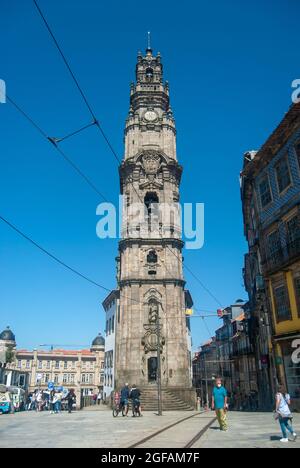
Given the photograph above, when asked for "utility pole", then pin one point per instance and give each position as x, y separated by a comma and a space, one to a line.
158, 377
206, 382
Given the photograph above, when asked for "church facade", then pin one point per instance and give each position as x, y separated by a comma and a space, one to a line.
152, 295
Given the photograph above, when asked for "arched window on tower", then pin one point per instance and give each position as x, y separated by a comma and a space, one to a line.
149, 74
152, 262
152, 257
151, 201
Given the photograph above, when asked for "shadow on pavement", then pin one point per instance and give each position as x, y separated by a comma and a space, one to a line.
275, 438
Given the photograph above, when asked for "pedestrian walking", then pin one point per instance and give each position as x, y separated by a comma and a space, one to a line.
28, 402
99, 398
39, 400
220, 404
71, 399
94, 398
51, 401
57, 402
283, 415
33, 405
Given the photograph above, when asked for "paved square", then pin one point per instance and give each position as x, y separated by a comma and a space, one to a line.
98, 429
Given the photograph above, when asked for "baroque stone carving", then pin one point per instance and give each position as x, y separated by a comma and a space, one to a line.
149, 340
153, 313
151, 162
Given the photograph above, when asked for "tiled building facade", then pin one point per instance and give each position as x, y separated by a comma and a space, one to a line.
271, 204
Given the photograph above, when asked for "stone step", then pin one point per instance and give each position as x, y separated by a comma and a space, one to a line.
170, 401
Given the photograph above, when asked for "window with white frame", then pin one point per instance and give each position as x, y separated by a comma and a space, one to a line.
265, 192
283, 174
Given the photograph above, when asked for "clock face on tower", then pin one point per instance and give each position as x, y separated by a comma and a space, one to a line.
150, 116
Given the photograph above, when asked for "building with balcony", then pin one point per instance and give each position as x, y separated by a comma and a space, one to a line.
205, 370
229, 355
271, 205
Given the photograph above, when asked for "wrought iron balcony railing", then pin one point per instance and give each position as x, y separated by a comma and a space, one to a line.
282, 257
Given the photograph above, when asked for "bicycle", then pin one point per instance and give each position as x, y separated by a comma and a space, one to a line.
136, 408
120, 408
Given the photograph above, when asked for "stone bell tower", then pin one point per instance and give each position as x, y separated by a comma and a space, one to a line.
150, 272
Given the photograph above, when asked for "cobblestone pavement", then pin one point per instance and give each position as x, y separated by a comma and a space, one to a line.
98, 429
248, 430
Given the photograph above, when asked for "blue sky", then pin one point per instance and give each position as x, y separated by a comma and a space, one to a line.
230, 66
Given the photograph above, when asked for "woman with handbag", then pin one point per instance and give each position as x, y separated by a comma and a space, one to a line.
284, 415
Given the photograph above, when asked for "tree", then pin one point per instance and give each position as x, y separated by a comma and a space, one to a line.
10, 355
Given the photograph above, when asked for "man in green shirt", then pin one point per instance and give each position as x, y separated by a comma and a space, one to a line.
220, 404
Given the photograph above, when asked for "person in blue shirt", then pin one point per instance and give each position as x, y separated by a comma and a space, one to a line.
125, 393
220, 404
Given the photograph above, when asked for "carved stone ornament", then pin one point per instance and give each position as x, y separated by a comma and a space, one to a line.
153, 313
151, 162
149, 340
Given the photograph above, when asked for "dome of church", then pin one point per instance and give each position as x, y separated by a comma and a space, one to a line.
7, 335
99, 341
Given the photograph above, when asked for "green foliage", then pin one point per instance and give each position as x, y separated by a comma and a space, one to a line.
10, 355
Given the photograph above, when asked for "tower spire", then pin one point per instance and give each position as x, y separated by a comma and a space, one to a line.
149, 41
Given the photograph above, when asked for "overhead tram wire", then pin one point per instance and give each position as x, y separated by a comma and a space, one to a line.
65, 60
56, 259
54, 141
43, 133
207, 327
89, 107
61, 262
